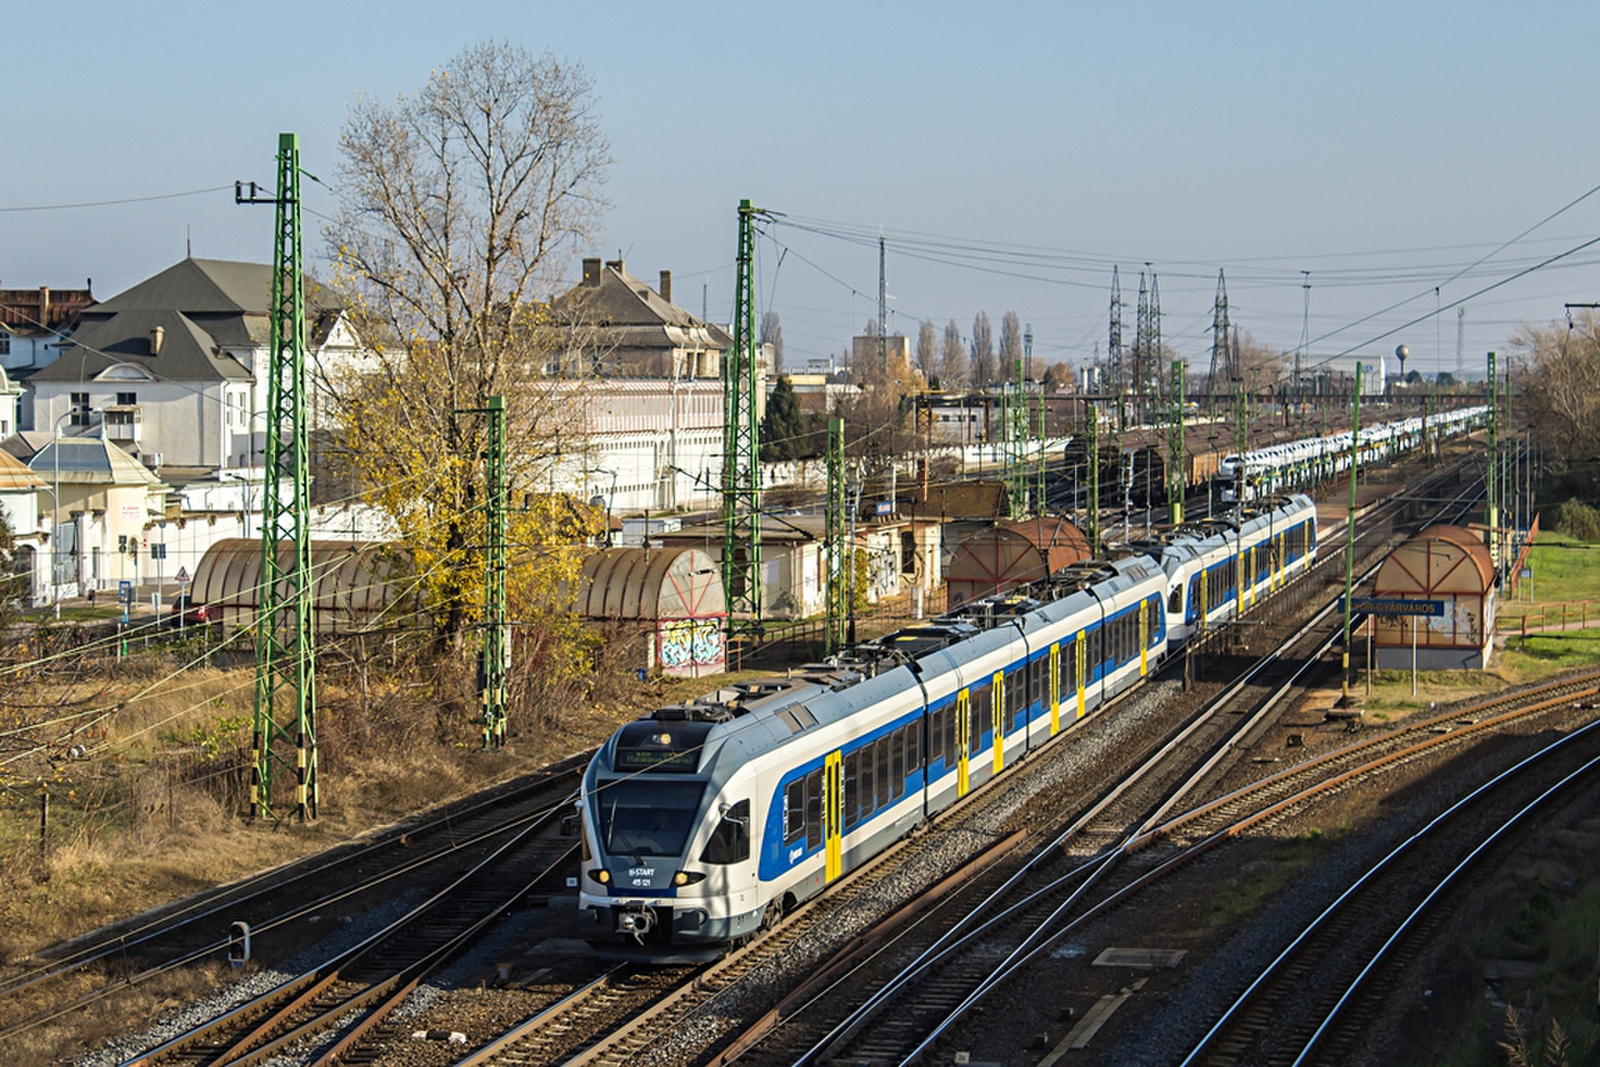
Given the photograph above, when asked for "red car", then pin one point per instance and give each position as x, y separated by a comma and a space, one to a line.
188, 613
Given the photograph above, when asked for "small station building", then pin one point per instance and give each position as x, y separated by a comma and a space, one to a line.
673, 595
1009, 554
1447, 564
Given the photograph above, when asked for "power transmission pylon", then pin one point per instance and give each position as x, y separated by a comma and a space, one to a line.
1221, 353
1153, 354
1175, 478
285, 736
741, 445
1141, 341
1114, 338
835, 591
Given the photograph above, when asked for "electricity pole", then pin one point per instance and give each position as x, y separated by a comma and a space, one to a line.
741, 445
835, 591
284, 739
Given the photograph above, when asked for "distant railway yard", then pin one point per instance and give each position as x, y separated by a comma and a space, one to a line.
1186, 838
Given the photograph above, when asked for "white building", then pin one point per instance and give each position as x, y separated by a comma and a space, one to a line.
175, 369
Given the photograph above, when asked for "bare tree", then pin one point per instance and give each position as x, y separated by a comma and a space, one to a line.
772, 334
457, 207
952, 357
928, 351
1260, 366
982, 350
1010, 343
1555, 371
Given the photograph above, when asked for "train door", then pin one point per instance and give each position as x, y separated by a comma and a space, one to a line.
833, 815
963, 742
1054, 695
1144, 637
1205, 598
997, 715
1081, 651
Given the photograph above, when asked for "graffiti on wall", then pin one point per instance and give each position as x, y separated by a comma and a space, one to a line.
691, 647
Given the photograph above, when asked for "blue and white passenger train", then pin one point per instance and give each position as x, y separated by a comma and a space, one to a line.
707, 821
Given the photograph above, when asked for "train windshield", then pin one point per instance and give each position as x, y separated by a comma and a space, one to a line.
639, 818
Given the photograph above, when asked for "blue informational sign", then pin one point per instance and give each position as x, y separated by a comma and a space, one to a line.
1383, 605
886, 507
125, 591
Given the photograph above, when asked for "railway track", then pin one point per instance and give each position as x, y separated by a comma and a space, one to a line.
352, 993
1366, 935
284, 906
703, 1004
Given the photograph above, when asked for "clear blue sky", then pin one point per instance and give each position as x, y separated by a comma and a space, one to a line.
1382, 146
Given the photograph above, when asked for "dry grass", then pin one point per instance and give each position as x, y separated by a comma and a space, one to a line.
155, 811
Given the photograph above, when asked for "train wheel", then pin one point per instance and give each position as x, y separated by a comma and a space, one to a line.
772, 916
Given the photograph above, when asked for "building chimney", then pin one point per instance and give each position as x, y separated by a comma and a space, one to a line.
156, 334
591, 272
666, 286
44, 305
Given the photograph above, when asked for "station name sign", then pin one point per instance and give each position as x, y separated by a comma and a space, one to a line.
1383, 605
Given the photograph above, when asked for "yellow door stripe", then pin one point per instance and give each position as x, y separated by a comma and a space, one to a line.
833, 815
963, 741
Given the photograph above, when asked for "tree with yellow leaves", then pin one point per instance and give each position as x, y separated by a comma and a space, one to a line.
457, 209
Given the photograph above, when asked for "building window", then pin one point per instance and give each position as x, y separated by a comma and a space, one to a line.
119, 418
5, 343
127, 400
80, 409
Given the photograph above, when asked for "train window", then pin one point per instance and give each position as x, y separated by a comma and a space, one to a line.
852, 790
913, 748
730, 841
880, 749
813, 810
938, 743
897, 764
949, 744
869, 798
1069, 667
794, 811
1175, 601
979, 711
1016, 697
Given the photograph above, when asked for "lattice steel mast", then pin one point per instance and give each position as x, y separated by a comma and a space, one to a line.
1221, 350
285, 735
836, 584
741, 445
1175, 478
496, 650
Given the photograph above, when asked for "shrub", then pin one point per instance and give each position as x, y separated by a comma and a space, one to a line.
1577, 519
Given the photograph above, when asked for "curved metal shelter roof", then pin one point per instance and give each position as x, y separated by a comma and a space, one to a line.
1440, 559
659, 583
1012, 553
358, 584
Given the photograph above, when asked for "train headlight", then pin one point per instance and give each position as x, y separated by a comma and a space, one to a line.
601, 875
683, 878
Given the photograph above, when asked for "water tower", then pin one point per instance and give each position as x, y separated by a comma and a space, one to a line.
1400, 353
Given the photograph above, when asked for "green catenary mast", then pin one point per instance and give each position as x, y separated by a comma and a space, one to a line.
741, 445
1175, 479
285, 735
835, 591
496, 625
